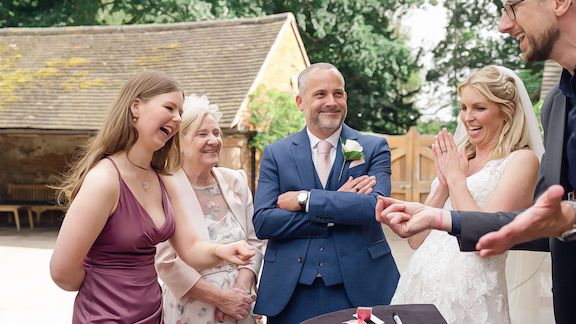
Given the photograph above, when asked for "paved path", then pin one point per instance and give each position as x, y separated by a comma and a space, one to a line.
28, 295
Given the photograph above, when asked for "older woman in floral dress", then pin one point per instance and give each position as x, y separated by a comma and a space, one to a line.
219, 203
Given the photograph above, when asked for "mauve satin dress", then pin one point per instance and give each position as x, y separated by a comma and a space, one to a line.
121, 284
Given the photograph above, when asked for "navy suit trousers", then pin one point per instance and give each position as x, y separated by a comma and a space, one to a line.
312, 300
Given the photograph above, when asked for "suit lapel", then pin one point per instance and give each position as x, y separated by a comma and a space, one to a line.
555, 134
303, 159
336, 179
232, 200
333, 179
192, 204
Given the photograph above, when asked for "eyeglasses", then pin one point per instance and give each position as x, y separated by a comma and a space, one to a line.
509, 8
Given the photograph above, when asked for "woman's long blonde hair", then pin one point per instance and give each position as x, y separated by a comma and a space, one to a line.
118, 133
501, 89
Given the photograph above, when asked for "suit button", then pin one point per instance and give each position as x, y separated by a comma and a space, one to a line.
300, 259
320, 264
321, 248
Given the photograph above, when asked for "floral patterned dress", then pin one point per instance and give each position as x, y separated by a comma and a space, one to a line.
222, 228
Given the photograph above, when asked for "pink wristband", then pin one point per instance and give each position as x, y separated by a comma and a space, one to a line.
440, 220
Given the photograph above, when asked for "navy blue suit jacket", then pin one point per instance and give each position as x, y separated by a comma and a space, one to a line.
368, 270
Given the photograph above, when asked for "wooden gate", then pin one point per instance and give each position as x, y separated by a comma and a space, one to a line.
412, 164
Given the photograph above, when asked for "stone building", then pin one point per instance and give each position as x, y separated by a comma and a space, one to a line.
57, 83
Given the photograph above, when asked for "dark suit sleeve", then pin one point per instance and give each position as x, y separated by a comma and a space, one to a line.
271, 222
476, 224
351, 208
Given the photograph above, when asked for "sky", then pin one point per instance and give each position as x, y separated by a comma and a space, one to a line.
426, 26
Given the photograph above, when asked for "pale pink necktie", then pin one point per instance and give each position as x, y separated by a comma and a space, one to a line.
323, 164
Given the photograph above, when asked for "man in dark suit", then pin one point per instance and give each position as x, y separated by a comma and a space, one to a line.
545, 29
315, 203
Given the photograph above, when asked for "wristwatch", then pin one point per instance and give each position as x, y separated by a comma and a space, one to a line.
303, 199
569, 235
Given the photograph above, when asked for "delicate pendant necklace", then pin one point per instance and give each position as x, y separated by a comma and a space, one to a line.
145, 184
136, 165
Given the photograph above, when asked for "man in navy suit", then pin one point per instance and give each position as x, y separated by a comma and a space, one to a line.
325, 250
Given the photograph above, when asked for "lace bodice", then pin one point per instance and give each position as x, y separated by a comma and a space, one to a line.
463, 286
482, 183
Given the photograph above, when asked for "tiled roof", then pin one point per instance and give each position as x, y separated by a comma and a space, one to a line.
65, 78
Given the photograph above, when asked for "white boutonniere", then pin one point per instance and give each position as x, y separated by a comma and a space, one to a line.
351, 150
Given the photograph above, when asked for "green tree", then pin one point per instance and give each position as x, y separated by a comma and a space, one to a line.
42, 13
472, 41
274, 115
360, 37
433, 126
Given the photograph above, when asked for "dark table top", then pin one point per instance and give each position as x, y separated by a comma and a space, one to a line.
409, 314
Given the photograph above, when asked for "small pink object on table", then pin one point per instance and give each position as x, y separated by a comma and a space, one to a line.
364, 313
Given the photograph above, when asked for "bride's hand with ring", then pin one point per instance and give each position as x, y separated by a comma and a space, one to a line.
450, 163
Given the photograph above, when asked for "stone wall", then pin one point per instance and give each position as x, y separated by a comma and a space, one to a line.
41, 158
286, 63
237, 154
35, 158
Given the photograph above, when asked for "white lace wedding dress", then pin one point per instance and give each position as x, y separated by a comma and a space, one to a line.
464, 287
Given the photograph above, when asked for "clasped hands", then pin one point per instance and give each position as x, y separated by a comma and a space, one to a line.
546, 218
360, 185
235, 303
406, 218
451, 165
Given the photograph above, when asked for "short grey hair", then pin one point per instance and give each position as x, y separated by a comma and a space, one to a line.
303, 77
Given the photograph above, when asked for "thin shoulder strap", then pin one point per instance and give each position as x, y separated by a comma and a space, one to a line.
115, 167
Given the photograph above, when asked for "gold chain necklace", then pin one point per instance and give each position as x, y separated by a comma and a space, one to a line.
145, 184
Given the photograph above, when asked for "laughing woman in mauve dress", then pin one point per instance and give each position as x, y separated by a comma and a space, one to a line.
121, 207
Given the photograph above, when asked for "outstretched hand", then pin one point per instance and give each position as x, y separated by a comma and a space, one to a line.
547, 218
239, 252
405, 218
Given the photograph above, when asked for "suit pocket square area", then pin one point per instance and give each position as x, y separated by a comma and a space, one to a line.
356, 163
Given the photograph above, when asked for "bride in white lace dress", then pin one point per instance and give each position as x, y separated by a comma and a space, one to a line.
495, 170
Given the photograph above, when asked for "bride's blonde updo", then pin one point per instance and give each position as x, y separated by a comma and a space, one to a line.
500, 88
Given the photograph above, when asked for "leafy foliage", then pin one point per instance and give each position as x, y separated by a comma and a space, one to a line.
433, 126
41, 13
274, 115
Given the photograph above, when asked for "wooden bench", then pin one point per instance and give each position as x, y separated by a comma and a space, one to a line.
33, 198
12, 208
